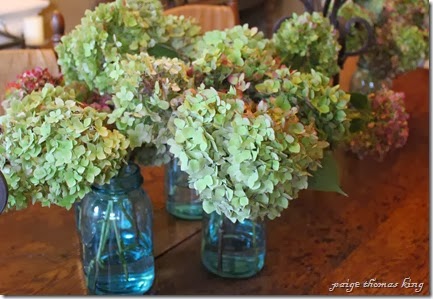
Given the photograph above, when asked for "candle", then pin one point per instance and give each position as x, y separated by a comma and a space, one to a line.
33, 31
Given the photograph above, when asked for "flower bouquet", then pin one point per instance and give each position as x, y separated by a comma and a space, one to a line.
400, 40
248, 128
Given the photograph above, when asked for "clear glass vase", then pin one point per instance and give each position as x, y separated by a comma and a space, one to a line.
366, 81
232, 250
116, 235
181, 201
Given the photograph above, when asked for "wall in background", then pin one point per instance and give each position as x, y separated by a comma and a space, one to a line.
73, 11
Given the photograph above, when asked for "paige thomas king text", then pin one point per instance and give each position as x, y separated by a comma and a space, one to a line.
350, 286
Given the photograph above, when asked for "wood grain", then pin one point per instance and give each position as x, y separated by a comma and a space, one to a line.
41, 250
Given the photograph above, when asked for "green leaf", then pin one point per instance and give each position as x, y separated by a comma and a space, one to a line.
326, 178
162, 50
359, 100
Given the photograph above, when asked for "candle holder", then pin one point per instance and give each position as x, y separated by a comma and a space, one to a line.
15, 40
342, 27
57, 27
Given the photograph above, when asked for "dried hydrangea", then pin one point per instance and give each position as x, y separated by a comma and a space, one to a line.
408, 11
412, 46
398, 50
401, 38
316, 100
231, 52
145, 89
245, 160
386, 126
115, 29
181, 34
308, 41
52, 150
29, 81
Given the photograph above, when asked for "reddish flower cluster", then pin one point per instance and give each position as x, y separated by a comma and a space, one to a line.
31, 80
99, 102
387, 128
35, 80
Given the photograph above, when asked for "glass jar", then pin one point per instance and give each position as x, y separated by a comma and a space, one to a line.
232, 250
77, 214
116, 236
366, 81
181, 201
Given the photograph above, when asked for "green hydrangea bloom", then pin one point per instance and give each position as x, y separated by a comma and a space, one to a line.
181, 34
52, 150
401, 38
145, 90
115, 29
317, 101
245, 160
411, 46
224, 53
308, 41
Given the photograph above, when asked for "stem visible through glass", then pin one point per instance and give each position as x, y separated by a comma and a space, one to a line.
105, 230
221, 231
102, 241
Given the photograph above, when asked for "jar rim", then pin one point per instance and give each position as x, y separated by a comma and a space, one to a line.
128, 178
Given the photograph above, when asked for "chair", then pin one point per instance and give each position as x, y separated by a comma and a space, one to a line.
210, 17
16, 61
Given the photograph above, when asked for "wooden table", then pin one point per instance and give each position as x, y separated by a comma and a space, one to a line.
380, 232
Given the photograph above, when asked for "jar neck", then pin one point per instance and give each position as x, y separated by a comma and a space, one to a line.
362, 63
128, 179
224, 219
375, 73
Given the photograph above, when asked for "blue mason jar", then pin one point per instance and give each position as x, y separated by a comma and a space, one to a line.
116, 235
233, 250
181, 201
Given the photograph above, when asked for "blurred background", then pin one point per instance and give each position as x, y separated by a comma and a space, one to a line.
259, 13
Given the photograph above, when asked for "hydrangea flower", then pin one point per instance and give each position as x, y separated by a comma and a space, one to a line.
52, 149
115, 29
29, 81
316, 100
308, 41
386, 126
245, 160
144, 97
400, 32
222, 54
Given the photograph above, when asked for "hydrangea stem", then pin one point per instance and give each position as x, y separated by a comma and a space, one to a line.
105, 230
221, 232
102, 241
120, 247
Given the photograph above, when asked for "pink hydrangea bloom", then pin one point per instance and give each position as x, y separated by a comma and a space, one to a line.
387, 127
31, 80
